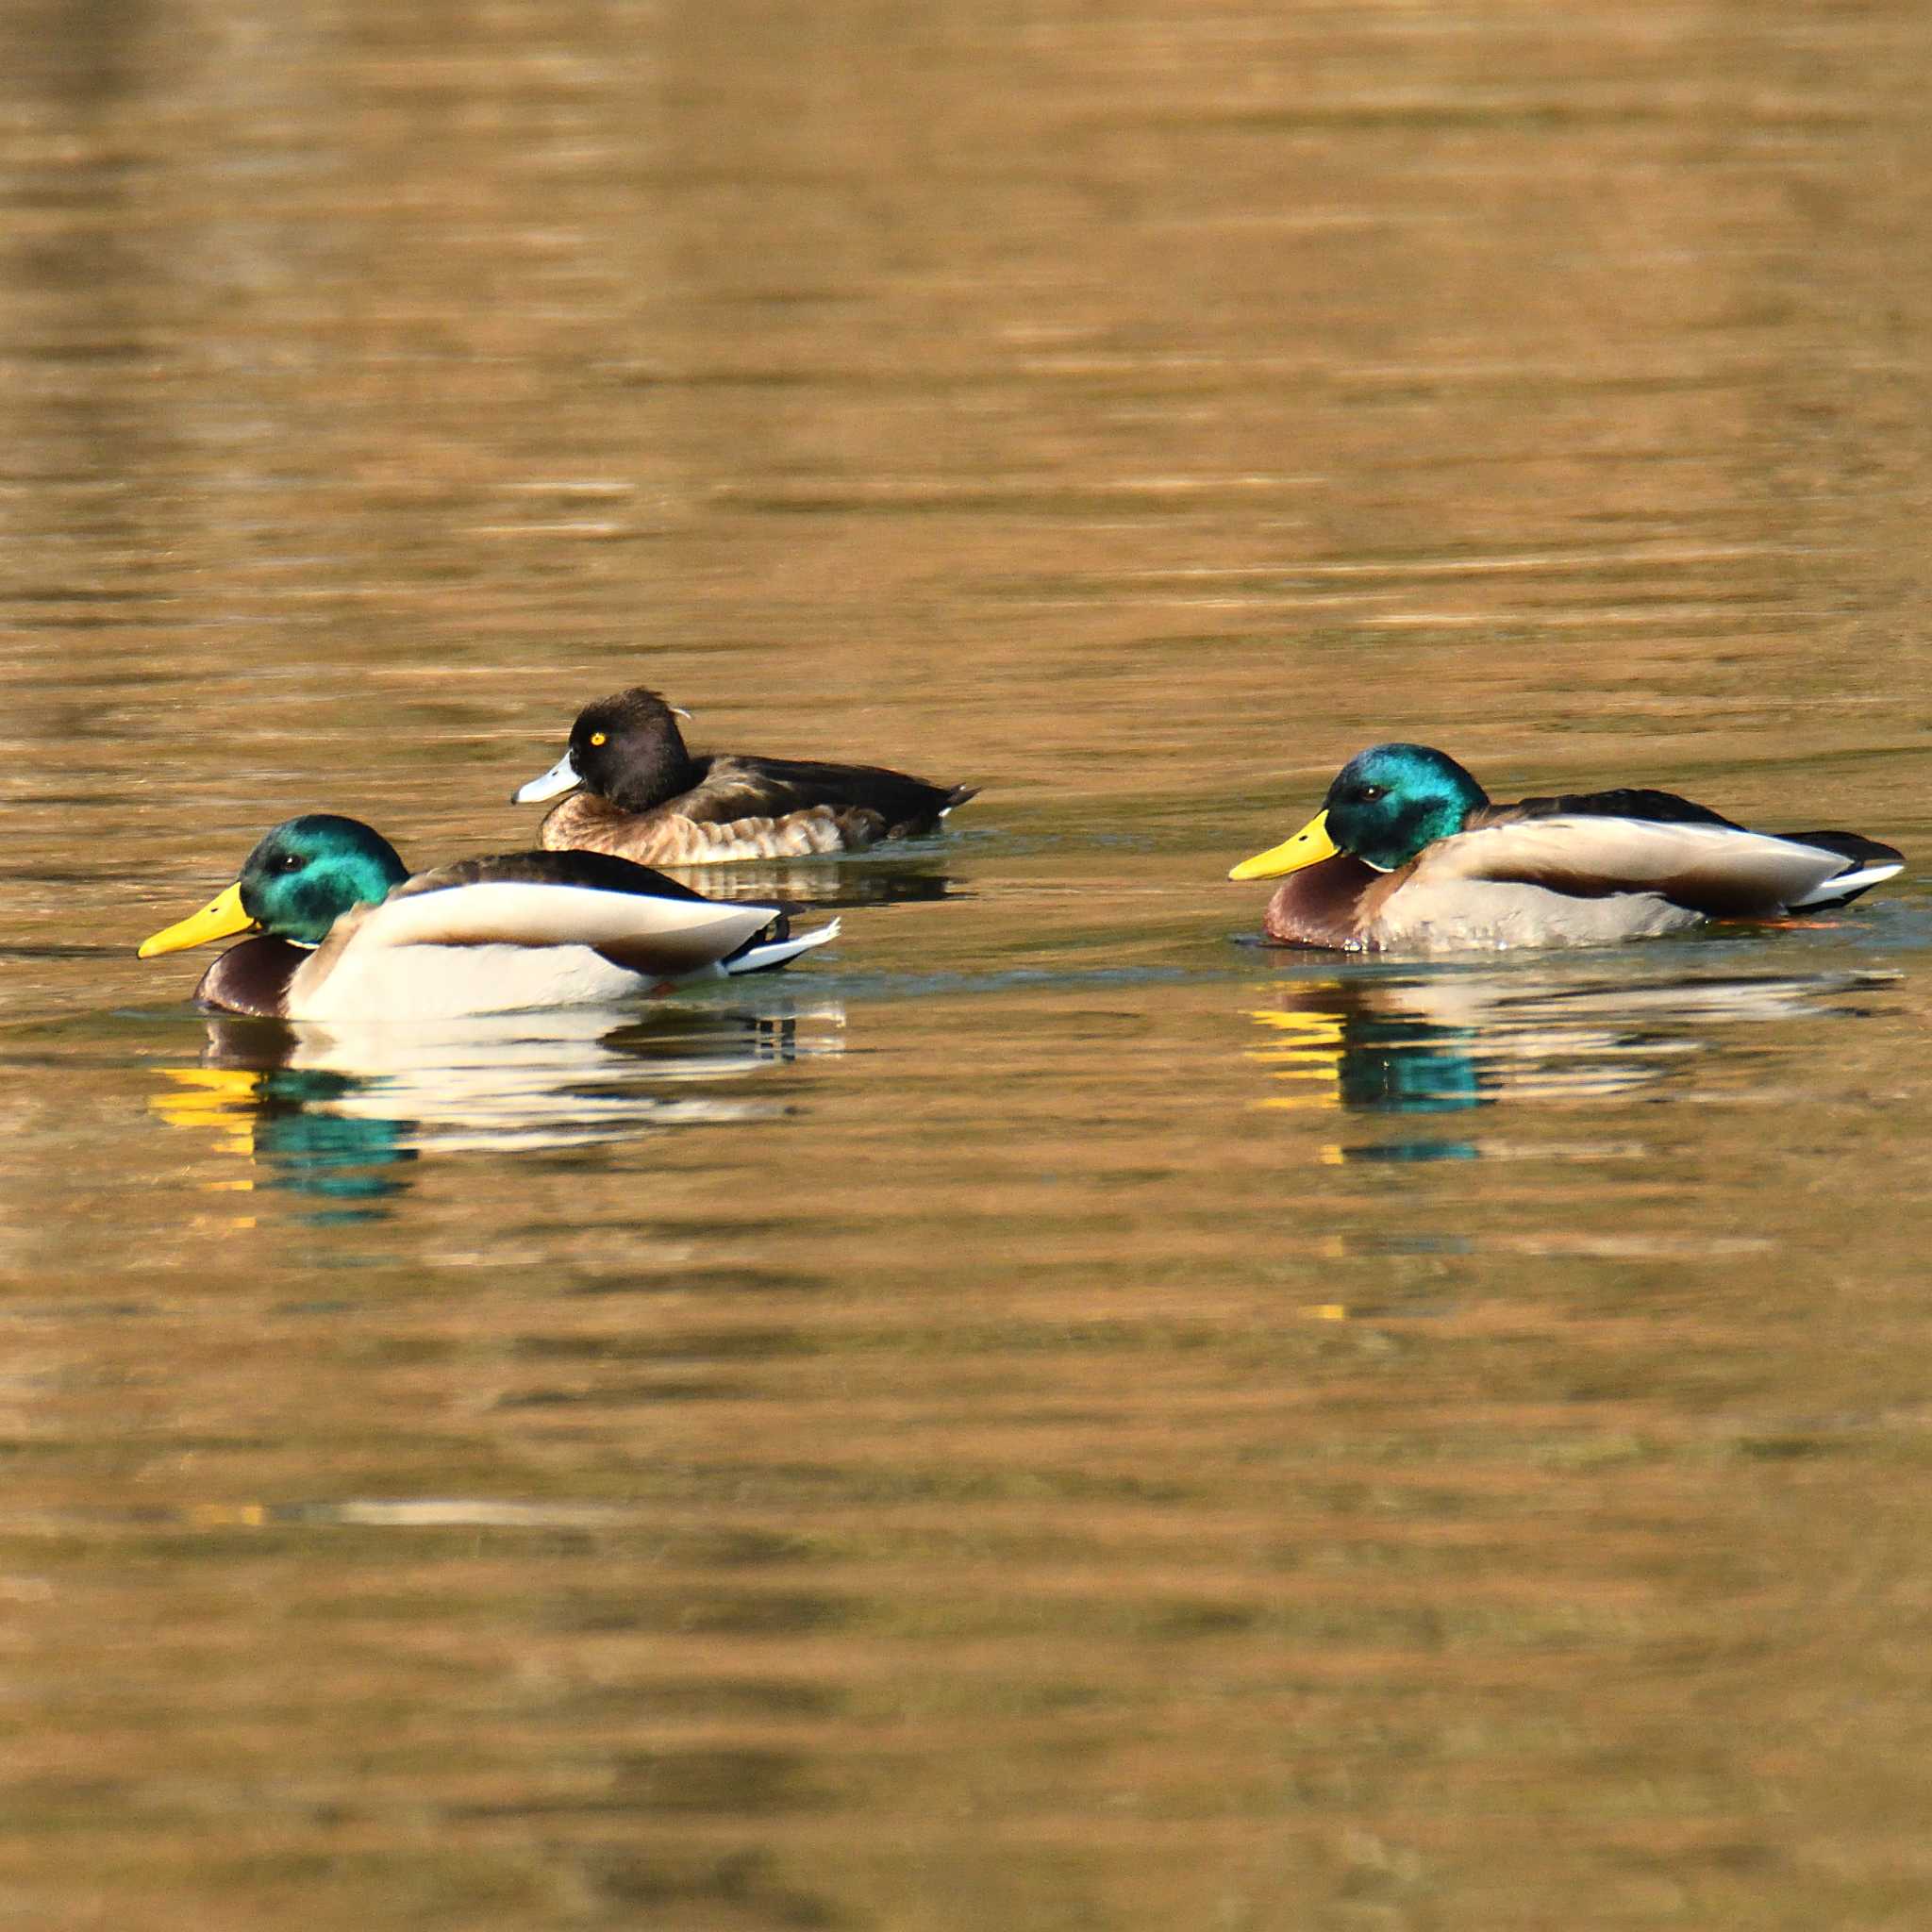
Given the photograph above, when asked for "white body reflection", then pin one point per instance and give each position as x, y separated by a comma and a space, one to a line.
303, 1101
1445, 1040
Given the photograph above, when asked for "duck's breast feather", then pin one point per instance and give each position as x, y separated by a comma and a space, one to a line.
1322, 905
252, 977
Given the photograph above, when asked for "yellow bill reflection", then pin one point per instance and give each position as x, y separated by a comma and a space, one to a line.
1308, 1051
220, 1100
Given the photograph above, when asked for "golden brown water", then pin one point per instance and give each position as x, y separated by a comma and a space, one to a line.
1050, 1415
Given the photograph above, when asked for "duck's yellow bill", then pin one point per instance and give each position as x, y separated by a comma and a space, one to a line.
1308, 845
219, 919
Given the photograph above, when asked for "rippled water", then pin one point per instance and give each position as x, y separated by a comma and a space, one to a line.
1050, 1414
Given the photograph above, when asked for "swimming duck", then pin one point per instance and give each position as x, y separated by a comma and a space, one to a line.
341, 931
1408, 853
637, 792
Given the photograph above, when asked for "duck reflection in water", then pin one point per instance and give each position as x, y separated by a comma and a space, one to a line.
282, 1120
334, 1112
1454, 1041
885, 877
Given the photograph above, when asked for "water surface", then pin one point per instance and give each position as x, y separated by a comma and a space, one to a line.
1051, 1414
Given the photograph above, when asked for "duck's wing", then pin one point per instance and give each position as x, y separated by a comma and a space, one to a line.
1870, 861
732, 787
600, 871
634, 916
1717, 868
1624, 802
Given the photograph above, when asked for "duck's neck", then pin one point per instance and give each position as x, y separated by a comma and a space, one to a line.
658, 769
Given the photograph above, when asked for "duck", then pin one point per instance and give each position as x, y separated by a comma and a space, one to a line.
637, 792
340, 929
1408, 854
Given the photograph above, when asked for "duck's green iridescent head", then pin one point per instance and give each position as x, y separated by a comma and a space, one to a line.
1389, 801
296, 883
306, 873
1385, 804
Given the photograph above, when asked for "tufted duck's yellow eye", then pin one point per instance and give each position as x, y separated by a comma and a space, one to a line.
596, 738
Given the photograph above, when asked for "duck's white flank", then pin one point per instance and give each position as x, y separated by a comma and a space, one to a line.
503, 945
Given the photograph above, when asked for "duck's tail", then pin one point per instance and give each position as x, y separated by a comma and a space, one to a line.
763, 955
1870, 864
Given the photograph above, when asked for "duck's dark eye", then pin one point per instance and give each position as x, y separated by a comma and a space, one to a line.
289, 861
1371, 792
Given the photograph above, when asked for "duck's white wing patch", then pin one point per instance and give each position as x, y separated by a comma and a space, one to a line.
1719, 869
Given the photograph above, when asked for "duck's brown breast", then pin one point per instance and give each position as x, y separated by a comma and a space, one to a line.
1322, 905
252, 977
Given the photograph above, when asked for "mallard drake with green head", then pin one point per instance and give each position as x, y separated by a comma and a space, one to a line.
1408, 854
637, 792
340, 930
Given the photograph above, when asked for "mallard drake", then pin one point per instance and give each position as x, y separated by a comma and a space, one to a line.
638, 792
342, 931
1408, 853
